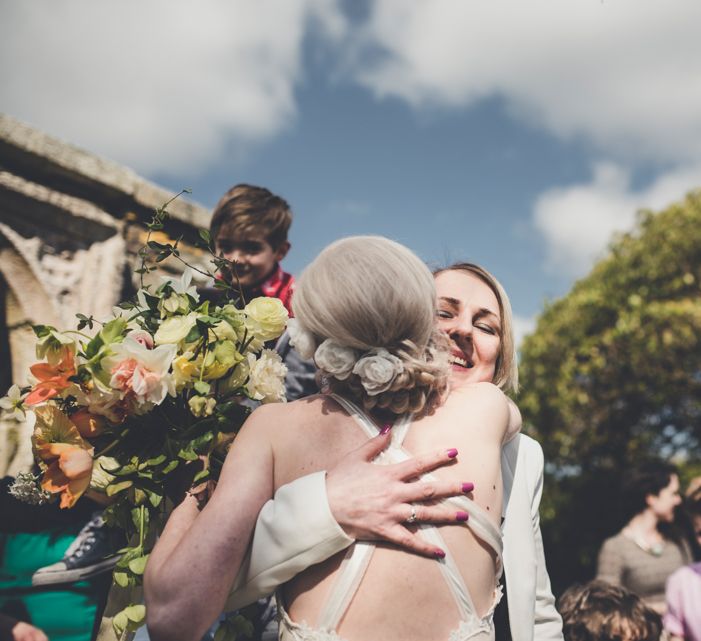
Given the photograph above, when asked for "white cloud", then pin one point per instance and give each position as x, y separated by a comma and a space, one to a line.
158, 85
577, 221
624, 74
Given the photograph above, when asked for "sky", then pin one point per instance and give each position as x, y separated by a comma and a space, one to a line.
519, 135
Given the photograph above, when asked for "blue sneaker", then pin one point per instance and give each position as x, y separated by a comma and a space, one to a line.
91, 553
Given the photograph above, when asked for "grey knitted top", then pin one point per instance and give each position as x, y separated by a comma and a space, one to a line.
623, 562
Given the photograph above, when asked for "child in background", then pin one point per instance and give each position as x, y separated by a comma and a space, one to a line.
249, 227
599, 611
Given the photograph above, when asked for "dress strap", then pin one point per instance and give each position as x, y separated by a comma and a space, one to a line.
351, 574
358, 557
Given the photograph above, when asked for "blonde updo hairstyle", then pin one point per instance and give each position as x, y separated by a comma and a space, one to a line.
369, 293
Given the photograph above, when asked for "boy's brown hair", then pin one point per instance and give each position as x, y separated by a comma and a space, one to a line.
599, 611
249, 209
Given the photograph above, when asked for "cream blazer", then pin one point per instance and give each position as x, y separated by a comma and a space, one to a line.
297, 529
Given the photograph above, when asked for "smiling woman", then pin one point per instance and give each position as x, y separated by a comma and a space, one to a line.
474, 311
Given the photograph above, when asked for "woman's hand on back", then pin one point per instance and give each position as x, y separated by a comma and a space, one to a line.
375, 502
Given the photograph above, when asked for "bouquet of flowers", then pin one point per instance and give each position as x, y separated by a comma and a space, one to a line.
121, 407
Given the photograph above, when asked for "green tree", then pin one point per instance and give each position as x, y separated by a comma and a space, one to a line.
611, 375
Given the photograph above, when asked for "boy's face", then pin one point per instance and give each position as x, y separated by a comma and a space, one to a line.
255, 258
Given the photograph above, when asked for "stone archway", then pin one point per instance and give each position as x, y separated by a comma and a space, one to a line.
46, 288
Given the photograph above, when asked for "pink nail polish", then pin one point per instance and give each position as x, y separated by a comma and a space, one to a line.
385, 428
461, 516
439, 553
452, 452
468, 487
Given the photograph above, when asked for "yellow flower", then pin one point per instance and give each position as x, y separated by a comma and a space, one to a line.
266, 317
174, 329
201, 406
185, 370
220, 359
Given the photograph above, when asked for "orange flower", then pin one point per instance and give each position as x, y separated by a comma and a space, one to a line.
89, 425
69, 474
64, 455
53, 379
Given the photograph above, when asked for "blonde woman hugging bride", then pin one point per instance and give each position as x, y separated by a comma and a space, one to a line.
366, 309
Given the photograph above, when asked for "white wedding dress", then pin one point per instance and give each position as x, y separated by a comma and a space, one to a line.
471, 626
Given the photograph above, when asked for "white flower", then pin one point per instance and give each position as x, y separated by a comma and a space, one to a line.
266, 380
301, 339
134, 368
377, 370
265, 317
13, 403
174, 329
101, 476
335, 359
183, 284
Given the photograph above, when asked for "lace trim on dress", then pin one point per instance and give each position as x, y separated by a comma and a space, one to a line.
467, 629
302, 631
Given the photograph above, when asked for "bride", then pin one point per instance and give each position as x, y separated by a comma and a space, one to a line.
368, 305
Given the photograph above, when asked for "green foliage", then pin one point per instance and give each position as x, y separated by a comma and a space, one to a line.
612, 374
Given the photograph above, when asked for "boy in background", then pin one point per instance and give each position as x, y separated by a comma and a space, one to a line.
249, 227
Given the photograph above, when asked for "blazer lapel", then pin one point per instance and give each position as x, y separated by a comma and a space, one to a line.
519, 545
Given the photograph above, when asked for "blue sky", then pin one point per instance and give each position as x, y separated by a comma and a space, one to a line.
518, 135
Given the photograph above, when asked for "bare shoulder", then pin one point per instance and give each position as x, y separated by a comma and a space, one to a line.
271, 415
480, 410
480, 396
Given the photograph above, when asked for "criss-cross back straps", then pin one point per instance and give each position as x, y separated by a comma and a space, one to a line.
358, 557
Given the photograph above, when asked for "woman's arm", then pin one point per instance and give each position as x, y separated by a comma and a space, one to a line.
316, 516
193, 565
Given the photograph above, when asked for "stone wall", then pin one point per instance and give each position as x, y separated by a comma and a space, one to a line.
71, 225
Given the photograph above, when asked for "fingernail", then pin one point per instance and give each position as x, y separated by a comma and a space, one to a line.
385, 429
439, 553
468, 487
461, 516
452, 452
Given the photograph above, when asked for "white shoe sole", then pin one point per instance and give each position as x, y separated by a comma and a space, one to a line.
58, 573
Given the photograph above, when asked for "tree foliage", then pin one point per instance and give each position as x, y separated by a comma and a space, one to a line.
612, 374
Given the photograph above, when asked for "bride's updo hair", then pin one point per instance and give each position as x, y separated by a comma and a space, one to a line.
366, 306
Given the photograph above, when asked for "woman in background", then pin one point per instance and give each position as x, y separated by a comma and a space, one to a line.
645, 552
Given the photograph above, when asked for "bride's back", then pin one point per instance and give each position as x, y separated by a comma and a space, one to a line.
402, 595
